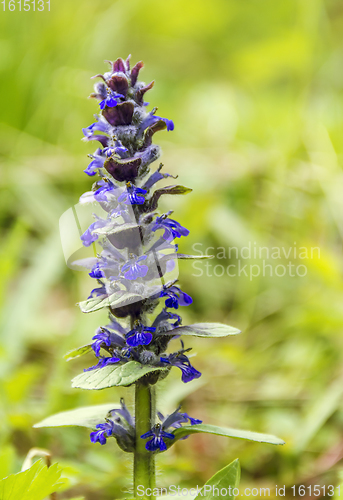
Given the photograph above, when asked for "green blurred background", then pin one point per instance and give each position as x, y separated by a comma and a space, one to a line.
255, 89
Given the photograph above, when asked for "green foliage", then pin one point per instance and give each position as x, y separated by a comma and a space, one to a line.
112, 375
77, 352
206, 330
117, 299
227, 478
85, 416
222, 431
35, 483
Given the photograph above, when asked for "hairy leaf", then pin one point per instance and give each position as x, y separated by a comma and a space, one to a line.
96, 303
224, 431
86, 416
204, 330
109, 376
118, 299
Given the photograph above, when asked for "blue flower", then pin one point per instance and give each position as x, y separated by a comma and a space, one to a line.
151, 118
193, 421
111, 360
181, 361
172, 228
157, 434
140, 335
118, 149
155, 177
132, 195
123, 412
88, 237
96, 272
133, 270
116, 327
103, 337
104, 431
105, 187
169, 123
119, 424
177, 418
164, 316
96, 163
171, 315
111, 100
176, 297
98, 292
98, 131
189, 373
98, 126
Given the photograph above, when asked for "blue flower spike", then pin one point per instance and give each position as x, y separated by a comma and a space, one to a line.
125, 239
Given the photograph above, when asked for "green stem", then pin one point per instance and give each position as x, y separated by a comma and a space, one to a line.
144, 461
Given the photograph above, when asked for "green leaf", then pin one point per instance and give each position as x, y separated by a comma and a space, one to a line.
86, 416
123, 375
35, 483
79, 351
224, 431
96, 303
205, 330
126, 299
226, 479
117, 299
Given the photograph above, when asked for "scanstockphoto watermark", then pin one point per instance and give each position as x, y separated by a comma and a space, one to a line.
204, 491
253, 261
313, 490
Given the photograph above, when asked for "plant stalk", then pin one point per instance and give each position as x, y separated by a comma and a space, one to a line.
144, 461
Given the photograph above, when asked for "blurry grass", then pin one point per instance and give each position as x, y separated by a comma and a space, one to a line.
255, 90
